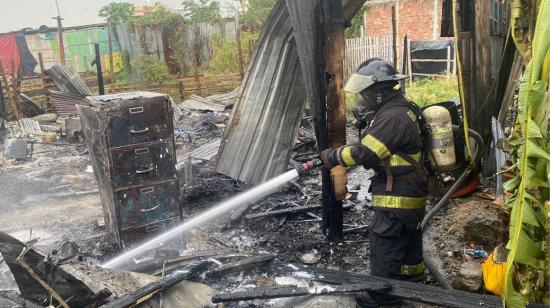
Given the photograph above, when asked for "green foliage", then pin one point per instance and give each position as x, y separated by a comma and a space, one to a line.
117, 11
149, 68
432, 90
528, 265
225, 59
258, 11
160, 16
123, 75
248, 41
356, 23
202, 10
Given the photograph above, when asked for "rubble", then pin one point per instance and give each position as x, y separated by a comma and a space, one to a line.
469, 277
45, 118
217, 102
484, 229
285, 232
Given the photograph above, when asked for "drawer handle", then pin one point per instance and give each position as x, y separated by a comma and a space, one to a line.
147, 190
136, 110
139, 131
141, 151
145, 170
150, 209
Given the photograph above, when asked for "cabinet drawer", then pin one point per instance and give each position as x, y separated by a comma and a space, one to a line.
138, 164
146, 204
139, 124
138, 234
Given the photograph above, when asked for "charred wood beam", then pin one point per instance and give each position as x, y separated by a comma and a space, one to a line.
157, 263
358, 229
292, 210
148, 291
334, 27
417, 292
172, 266
239, 266
17, 300
291, 291
38, 276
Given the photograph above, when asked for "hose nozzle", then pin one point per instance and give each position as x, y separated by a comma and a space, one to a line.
308, 166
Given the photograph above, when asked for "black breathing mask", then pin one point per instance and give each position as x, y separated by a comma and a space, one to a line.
368, 101
366, 104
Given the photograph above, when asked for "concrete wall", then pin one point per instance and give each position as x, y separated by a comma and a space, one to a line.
416, 18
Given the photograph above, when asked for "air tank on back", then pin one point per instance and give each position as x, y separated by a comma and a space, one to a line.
442, 156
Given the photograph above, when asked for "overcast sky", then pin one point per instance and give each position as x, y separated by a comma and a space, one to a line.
18, 14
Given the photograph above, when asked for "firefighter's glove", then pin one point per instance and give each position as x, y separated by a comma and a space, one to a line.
329, 158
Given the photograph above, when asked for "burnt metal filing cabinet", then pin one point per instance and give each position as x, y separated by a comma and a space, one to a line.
131, 141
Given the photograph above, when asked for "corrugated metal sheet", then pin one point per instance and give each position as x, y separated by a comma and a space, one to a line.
23, 128
79, 48
259, 138
65, 102
217, 102
68, 80
205, 152
148, 42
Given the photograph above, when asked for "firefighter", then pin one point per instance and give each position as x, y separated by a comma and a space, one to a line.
391, 146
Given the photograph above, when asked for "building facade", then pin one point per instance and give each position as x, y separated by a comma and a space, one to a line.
418, 19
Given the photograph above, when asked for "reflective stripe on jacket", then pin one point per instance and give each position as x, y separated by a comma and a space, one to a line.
393, 133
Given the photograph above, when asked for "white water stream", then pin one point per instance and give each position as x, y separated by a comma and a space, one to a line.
241, 199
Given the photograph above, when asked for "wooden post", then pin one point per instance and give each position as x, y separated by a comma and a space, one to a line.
15, 83
477, 112
3, 111
97, 61
365, 22
181, 89
61, 44
9, 93
395, 35
111, 66
336, 104
409, 60
435, 18
448, 62
44, 80
239, 47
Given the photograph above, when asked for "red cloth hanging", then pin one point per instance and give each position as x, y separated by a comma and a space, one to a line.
9, 53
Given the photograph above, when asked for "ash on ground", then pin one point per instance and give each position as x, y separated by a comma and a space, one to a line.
53, 201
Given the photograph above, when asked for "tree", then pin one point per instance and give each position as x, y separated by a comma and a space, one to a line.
158, 16
117, 11
356, 23
202, 10
258, 11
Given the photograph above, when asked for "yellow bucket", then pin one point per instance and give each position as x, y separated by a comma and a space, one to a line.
493, 274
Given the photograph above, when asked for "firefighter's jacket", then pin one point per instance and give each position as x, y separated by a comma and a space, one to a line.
393, 132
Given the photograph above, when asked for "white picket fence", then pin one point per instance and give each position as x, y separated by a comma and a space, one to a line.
362, 48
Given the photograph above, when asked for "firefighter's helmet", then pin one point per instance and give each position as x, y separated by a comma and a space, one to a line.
371, 72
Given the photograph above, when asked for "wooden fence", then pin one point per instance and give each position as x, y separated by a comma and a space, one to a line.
177, 87
362, 48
